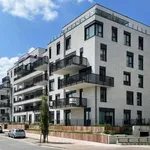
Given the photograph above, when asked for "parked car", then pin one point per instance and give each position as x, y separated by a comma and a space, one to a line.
15, 133
1, 129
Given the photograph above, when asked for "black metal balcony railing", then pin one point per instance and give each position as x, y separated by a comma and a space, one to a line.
5, 97
74, 60
4, 104
41, 61
40, 78
26, 87
37, 94
20, 69
88, 78
31, 108
136, 121
23, 75
4, 85
6, 79
69, 102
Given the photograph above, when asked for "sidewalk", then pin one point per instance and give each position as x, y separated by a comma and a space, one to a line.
71, 144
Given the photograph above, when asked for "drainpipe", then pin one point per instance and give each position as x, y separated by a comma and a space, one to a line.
95, 104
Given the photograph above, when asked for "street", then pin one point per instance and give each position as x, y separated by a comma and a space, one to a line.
7, 143
29, 143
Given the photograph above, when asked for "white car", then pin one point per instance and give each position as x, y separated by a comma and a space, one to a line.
15, 133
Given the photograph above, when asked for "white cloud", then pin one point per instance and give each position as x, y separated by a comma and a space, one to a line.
28, 9
31, 49
5, 64
78, 1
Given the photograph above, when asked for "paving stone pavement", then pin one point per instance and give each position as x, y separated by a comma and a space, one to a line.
71, 144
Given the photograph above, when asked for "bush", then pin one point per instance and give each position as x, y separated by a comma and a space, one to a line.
102, 125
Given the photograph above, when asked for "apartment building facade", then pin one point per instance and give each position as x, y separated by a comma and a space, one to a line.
95, 72
5, 100
29, 83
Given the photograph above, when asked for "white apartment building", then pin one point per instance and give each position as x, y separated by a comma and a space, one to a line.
29, 83
98, 73
5, 103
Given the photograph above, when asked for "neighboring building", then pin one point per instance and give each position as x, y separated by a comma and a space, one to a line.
5, 103
98, 71
29, 82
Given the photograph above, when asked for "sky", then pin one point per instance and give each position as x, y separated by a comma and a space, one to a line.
27, 24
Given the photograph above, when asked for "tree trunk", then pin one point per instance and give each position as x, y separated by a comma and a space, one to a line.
44, 138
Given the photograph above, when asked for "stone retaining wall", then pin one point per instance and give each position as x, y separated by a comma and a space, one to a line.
101, 138
82, 128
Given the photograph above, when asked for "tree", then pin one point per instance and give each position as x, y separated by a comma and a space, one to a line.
44, 119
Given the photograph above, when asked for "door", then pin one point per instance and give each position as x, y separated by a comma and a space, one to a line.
127, 117
67, 117
30, 119
102, 72
107, 116
81, 55
87, 116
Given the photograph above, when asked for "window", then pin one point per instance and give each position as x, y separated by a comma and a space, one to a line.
140, 81
11, 74
68, 42
50, 53
130, 59
103, 94
127, 38
140, 62
89, 32
99, 29
127, 78
141, 43
51, 85
129, 98
50, 69
2, 111
139, 99
58, 117
103, 52
114, 34
139, 115
94, 28
58, 82
58, 48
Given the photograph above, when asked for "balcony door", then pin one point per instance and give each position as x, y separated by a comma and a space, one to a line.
81, 55
107, 116
102, 72
87, 117
127, 117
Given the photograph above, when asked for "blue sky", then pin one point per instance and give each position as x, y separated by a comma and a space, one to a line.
32, 23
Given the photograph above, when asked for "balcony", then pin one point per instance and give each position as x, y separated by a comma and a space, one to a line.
4, 105
31, 108
68, 65
6, 79
68, 103
41, 64
86, 80
34, 97
26, 87
4, 87
41, 80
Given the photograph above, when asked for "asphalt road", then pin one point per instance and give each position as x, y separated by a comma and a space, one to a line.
7, 143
